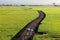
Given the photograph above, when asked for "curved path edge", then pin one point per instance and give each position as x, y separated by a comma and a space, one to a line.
22, 34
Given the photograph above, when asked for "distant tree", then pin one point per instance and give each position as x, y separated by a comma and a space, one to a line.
22, 5
54, 4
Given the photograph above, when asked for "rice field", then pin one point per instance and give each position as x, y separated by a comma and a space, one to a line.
14, 18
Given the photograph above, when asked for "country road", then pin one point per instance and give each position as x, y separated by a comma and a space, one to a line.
22, 34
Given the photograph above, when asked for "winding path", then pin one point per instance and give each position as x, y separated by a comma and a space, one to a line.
22, 34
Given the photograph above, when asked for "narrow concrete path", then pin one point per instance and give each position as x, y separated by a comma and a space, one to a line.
22, 34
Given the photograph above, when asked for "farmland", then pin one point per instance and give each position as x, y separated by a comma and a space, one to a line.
14, 18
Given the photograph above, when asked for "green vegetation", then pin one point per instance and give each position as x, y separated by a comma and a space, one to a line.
14, 18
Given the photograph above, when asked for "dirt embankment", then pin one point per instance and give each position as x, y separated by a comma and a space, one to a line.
22, 34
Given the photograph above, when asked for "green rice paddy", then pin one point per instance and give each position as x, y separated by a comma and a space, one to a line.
14, 18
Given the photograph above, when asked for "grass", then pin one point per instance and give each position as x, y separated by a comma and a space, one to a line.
11, 21
51, 22
14, 18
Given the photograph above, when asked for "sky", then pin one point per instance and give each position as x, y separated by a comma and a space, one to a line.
30, 2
